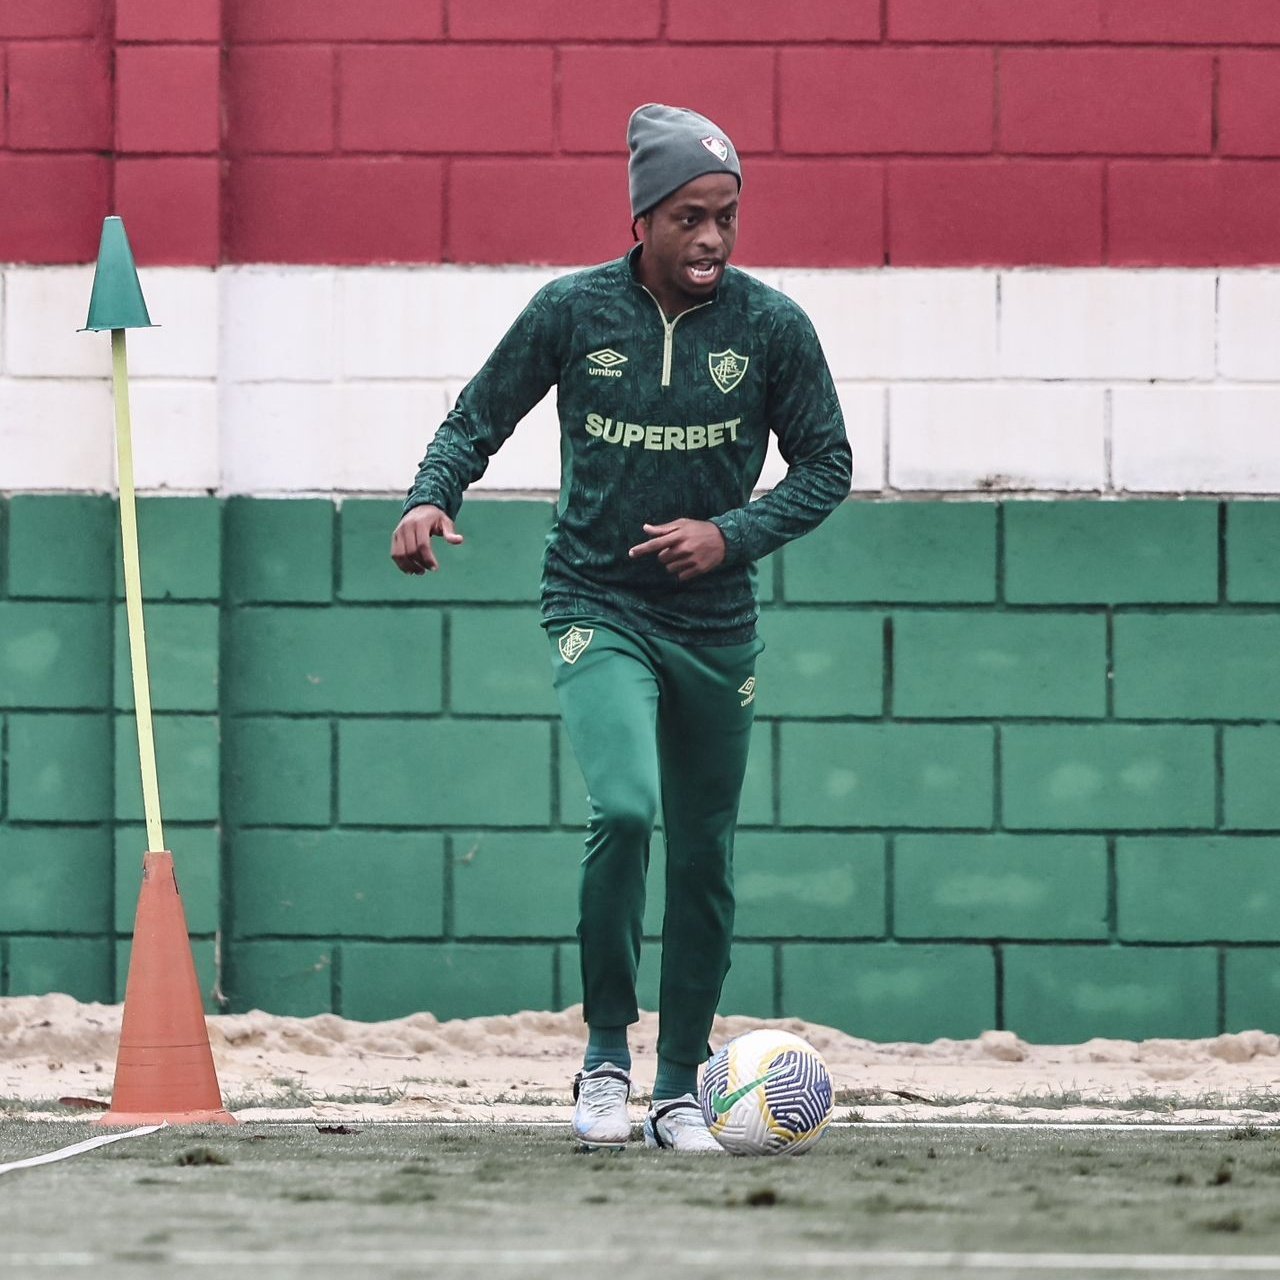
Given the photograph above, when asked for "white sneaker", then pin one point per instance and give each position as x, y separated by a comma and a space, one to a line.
677, 1125
600, 1117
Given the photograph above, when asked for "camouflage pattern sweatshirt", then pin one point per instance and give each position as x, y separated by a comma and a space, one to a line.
658, 419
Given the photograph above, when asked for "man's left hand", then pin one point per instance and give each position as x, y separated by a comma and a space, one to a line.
686, 548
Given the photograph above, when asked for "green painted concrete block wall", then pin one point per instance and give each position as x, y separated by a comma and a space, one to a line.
1015, 766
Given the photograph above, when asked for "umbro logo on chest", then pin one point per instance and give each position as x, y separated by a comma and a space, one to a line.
604, 363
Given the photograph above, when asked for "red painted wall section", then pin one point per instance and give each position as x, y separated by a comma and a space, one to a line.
1249, 103
1192, 21
1195, 213
168, 129
445, 99
536, 210
387, 21
55, 138
883, 101
1106, 102
150, 81
770, 22
997, 21
51, 19
996, 210
543, 20
281, 99
900, 132
600, 85
52, 206
59, 95
166, 21
340, 209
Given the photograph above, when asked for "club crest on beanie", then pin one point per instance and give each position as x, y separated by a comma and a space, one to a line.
670, 146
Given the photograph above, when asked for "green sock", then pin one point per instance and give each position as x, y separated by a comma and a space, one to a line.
607, 1044
674, 1080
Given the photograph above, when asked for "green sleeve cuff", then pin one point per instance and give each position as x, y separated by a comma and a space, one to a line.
421, 498
730, 526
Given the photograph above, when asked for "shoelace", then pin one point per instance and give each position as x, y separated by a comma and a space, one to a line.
600, 1097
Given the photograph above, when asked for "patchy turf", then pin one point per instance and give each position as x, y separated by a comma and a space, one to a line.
281, 1201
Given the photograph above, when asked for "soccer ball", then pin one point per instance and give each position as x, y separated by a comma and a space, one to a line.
766, 1093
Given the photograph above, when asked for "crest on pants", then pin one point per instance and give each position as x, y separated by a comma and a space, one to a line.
574, 643
727, 368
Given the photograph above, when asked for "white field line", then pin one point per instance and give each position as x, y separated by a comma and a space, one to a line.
90, 1144
1040, 1126
1071, 1126
847, 1262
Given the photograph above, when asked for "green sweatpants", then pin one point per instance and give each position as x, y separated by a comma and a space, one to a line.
655, 723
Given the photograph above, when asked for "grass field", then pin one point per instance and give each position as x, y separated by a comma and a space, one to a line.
452, 1200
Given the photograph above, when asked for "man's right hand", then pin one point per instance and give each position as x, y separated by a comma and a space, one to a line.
411, 542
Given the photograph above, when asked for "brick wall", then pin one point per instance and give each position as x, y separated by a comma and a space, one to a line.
1015, 759
1014, 765
904, 132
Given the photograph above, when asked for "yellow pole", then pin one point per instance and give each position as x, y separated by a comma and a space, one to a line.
133, 596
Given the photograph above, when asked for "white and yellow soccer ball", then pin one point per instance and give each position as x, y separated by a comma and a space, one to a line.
766, 1093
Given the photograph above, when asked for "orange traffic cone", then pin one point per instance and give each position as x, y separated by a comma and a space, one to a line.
164, 1069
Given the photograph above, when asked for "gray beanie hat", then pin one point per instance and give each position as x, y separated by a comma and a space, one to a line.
671, 146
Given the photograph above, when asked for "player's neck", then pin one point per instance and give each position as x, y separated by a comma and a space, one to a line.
673, 302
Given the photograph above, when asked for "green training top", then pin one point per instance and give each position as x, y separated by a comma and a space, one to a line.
658, 419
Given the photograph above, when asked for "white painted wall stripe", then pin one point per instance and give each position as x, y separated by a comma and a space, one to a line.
1091, 325
55, 434
279, 380
890, 325
1197, 439
1249, 326
991, 437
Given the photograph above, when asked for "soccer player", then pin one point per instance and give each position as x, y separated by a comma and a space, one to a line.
672, 368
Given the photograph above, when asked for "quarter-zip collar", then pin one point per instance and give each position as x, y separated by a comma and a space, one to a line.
668, 326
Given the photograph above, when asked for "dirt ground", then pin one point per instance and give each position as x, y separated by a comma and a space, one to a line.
475, 1202
518, 1067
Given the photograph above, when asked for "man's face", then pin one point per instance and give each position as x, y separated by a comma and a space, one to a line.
688, 239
